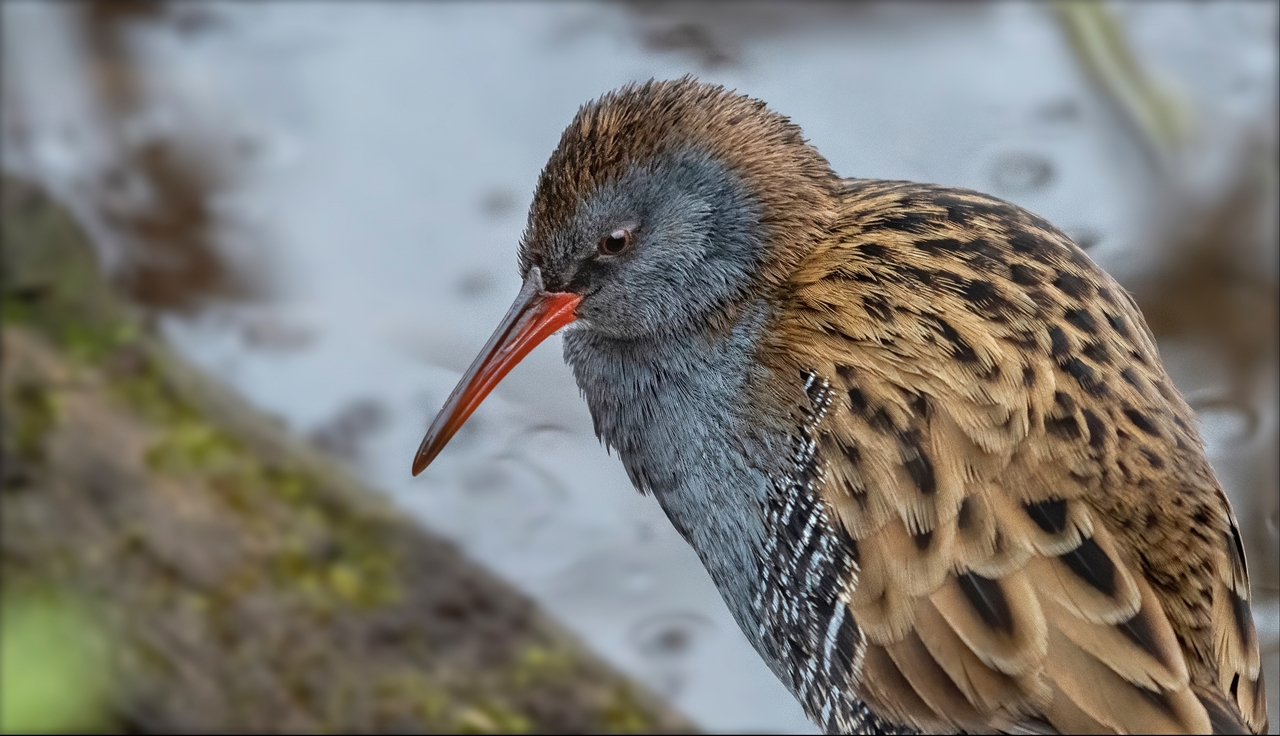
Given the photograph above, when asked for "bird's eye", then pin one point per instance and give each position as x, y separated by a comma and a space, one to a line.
615, 242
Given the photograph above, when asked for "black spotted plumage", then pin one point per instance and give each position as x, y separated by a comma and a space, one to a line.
1065, 451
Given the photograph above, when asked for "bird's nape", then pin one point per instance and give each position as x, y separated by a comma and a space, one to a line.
535, 315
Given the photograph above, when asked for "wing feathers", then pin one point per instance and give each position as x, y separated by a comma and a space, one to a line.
1066, 716
892, 696
1001, 698
1103, 695
1057, 525
1016, 644
919, 562
1257, 699
1221, 717
986, 597
881, 607
1235, 639
1142, 650
932, 683
1088, 581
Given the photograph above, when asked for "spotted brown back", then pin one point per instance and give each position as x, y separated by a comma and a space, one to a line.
1038, 537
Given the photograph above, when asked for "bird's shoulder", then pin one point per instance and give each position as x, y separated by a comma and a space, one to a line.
1038, 535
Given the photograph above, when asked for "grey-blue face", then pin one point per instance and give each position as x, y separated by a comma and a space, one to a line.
658, 249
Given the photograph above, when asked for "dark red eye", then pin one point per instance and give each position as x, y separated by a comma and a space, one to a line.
615, 242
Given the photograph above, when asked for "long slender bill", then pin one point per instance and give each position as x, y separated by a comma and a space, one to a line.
535, 315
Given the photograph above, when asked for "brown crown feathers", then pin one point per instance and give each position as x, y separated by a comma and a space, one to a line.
792, 182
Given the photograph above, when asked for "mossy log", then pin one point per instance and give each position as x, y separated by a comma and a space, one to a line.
247, 583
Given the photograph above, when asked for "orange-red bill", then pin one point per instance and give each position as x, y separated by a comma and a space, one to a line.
535, 315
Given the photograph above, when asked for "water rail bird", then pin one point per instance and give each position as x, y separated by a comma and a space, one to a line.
924, 446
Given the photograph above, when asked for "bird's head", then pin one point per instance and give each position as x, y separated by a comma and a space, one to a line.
663, 206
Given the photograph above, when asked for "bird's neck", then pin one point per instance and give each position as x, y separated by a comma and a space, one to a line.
688, 419
677, 410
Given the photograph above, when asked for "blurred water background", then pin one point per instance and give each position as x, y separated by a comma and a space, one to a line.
319, 203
